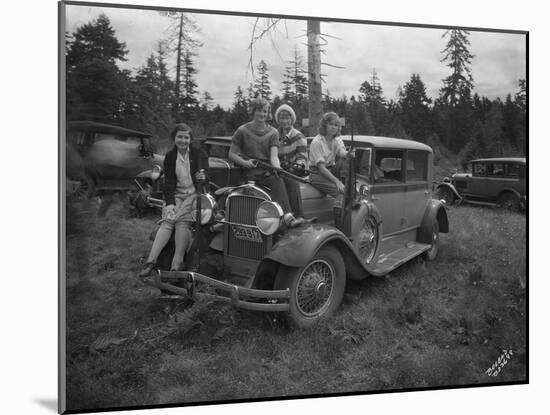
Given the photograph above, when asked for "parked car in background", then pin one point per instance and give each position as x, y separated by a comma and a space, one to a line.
253, 261
489, 181
103, 157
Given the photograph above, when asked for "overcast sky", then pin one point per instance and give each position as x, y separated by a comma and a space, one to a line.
395, 52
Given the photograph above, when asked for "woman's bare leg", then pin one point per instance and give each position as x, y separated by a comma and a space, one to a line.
182, 239
161, 239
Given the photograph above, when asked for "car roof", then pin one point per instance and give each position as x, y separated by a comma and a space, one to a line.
521, 160
387, 142
374, 141
104, 128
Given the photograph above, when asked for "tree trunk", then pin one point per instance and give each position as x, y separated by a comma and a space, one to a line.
314, 70
178, 70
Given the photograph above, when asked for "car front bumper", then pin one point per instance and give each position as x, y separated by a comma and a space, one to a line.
189, 285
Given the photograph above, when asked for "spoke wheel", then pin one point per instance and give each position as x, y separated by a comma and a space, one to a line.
446, 194
367, 240
317, 289
86, 187
431, 254
314, 288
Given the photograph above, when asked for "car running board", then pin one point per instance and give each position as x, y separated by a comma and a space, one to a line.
388, 262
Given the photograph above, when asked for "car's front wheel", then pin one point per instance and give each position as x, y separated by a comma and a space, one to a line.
316, 289
446, 194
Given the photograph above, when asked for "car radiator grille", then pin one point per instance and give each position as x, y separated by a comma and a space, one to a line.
242, 210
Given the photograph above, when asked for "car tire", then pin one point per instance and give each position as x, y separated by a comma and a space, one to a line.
87, 187
509, 201
446, 194
431, 254
316, 289
367, 241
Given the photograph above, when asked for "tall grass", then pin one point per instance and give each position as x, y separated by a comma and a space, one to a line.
426, 324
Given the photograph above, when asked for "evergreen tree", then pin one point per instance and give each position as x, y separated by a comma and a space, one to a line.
371, 93
182, 41
460, 82
415, 110
189, 87
521, 95
239, 113
95, 84
262, 85
295, 81
207, 102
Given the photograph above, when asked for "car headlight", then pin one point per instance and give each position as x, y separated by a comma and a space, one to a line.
268, 217
207, 208
156, 173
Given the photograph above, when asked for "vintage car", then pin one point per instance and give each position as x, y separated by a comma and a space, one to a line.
249, 258
103, 157
490, 181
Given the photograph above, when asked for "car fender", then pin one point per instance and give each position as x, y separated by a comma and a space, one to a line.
434, 211
451, 187
511, 190
147, 174
299, 245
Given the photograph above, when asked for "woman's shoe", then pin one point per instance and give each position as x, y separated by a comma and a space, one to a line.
146, 270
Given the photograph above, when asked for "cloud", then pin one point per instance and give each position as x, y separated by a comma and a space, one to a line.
395, 52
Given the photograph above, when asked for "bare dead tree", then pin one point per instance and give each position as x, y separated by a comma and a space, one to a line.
315, 43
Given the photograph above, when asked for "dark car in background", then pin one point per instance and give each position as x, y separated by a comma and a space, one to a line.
103, 157
488, 181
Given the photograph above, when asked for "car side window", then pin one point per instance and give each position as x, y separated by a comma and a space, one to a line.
480, 169
513, 170
388, 166
417, 166
497, 169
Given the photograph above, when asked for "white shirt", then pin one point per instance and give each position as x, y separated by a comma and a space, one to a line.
320, 150
184, 185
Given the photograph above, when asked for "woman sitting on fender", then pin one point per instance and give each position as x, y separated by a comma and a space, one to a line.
180, 186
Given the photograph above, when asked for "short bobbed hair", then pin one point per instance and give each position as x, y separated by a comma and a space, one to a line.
325, 119
259, 103
181, 127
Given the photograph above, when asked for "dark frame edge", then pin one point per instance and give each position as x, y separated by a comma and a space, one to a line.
61, 105
294, 17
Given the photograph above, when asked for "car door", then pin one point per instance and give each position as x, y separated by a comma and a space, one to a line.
477, 183
389, 188
417, 191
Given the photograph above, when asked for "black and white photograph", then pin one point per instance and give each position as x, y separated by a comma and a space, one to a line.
268, 206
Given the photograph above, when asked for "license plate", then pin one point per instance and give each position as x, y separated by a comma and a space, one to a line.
246, 234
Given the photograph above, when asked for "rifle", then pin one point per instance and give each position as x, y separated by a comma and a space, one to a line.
198, 221
280, 172
349, 191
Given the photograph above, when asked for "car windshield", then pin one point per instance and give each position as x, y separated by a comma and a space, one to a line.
363, 162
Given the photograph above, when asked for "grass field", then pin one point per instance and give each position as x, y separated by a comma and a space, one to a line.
426, 324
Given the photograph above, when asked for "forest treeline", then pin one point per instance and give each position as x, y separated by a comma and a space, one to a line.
458, 121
